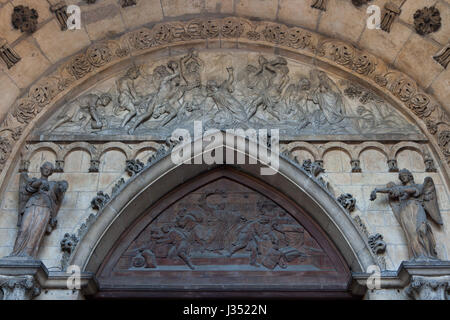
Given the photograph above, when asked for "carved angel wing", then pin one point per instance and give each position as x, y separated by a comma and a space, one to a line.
430, 202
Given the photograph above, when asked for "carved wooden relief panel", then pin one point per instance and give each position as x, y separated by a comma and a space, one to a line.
224, 231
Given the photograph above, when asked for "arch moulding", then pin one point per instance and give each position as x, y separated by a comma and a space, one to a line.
62, 82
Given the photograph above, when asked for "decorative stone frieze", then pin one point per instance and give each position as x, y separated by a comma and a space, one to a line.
429, 163
414, 202
377, 243
134, 166
356, 165
392, 165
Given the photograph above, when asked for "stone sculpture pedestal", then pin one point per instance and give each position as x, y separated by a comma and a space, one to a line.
25, 278
417, 280
20, 278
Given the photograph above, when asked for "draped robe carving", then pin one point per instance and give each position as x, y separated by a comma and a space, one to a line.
39, 202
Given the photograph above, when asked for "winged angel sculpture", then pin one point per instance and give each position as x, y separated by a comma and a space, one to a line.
411, 203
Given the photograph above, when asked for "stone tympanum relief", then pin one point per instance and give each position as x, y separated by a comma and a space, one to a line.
39, 202
411, 203
225, 91
218, 232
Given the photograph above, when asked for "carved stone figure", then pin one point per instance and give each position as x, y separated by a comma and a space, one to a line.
69, 242
100, 200
347, 201
128, 97
411, 203
84, 109
39, 202
134, 166
377, 243
267, 82
117, 187
429, 163
427, 20
8, 55
25, 19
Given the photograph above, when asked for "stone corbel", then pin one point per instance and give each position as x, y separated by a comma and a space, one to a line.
392, 165
19, 287
428, 288
390, 12
443, 56
413, 279
59, 8
8, 55
25, 278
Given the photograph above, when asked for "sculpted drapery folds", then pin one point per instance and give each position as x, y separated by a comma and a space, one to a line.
39, 202
411, 203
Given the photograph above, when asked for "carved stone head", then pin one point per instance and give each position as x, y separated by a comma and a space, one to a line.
47, 169
405, 176
304, 84
105, 99
133, 73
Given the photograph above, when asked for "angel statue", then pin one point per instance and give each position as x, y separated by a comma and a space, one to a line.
39, 203
411, 203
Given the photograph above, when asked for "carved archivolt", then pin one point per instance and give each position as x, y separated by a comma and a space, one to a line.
289, 39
